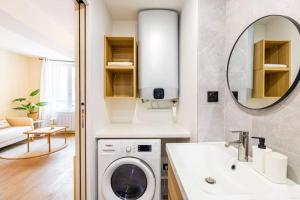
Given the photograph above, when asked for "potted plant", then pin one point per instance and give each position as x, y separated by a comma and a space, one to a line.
29, 106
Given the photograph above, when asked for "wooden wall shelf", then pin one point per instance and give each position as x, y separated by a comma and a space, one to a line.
271, 68
120, 67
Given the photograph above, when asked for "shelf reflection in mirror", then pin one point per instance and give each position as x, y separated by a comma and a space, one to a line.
263, 67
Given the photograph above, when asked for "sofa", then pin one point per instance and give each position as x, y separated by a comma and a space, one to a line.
12, 129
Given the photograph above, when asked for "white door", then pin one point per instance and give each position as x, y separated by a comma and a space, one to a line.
128, 178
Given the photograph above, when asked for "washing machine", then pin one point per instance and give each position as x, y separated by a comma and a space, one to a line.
129, 169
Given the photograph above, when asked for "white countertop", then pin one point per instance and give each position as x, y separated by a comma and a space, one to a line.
143, 130
190, 169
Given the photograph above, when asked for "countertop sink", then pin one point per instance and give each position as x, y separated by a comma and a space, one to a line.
194, 162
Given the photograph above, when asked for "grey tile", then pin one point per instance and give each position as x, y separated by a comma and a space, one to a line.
211, 123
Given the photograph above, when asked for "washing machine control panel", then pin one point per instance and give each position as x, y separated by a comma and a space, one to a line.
128, 149
109, 148
138, 148
144, 148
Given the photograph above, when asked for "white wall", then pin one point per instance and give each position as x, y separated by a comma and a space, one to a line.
259, 32
98, 24
187, 110
126, 27
19, 75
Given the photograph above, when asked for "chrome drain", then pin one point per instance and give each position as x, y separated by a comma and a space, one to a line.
210, 180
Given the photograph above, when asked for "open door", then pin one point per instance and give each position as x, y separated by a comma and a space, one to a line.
80, 62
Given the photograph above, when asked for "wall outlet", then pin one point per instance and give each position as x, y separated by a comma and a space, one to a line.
165, 166
212, 96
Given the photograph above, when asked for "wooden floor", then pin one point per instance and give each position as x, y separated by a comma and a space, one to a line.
45, 178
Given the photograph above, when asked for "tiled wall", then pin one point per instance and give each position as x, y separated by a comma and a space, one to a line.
211, 68
220, 23
281, 124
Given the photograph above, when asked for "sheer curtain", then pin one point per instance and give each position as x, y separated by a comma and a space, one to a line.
56, 88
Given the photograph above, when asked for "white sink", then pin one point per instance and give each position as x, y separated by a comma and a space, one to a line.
194, 162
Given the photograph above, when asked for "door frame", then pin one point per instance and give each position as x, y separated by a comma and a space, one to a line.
80, 74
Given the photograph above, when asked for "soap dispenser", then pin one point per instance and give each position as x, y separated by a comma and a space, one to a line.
258, 154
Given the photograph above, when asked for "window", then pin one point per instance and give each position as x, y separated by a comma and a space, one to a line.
66, 89
57, 87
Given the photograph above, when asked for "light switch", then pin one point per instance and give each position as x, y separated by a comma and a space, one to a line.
212, 96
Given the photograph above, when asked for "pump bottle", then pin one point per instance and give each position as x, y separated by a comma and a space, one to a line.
258, 154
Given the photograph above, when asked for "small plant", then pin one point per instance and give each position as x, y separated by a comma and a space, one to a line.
28, 105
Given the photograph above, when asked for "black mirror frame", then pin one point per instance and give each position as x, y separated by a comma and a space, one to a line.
295, 82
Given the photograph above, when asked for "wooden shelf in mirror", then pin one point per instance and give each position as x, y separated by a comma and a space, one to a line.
276, 69
120, 67
271, 68
276, 83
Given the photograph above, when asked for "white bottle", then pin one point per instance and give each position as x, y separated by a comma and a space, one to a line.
259, 155
276, 167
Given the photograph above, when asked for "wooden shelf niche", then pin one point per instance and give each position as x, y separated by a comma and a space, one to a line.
120, 67
272, 68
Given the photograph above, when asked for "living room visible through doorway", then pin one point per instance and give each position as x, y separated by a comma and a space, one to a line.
37, 101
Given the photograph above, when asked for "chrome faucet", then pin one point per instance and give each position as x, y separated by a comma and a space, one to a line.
243, 145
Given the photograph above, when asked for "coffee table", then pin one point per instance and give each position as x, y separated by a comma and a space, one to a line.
47, 131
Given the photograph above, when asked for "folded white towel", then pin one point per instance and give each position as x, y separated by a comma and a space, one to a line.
275, 65
120, 63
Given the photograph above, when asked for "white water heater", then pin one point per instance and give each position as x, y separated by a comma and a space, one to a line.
158, 54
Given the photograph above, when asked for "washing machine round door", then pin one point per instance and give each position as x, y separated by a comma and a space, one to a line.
128, 179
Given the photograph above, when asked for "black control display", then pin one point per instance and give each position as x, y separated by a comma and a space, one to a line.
158, 93
144, 148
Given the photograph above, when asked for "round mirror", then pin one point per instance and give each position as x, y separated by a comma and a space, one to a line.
263, 67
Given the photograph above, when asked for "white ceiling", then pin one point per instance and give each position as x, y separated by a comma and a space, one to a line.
43, 28
16, 43
128, 9
61, 11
